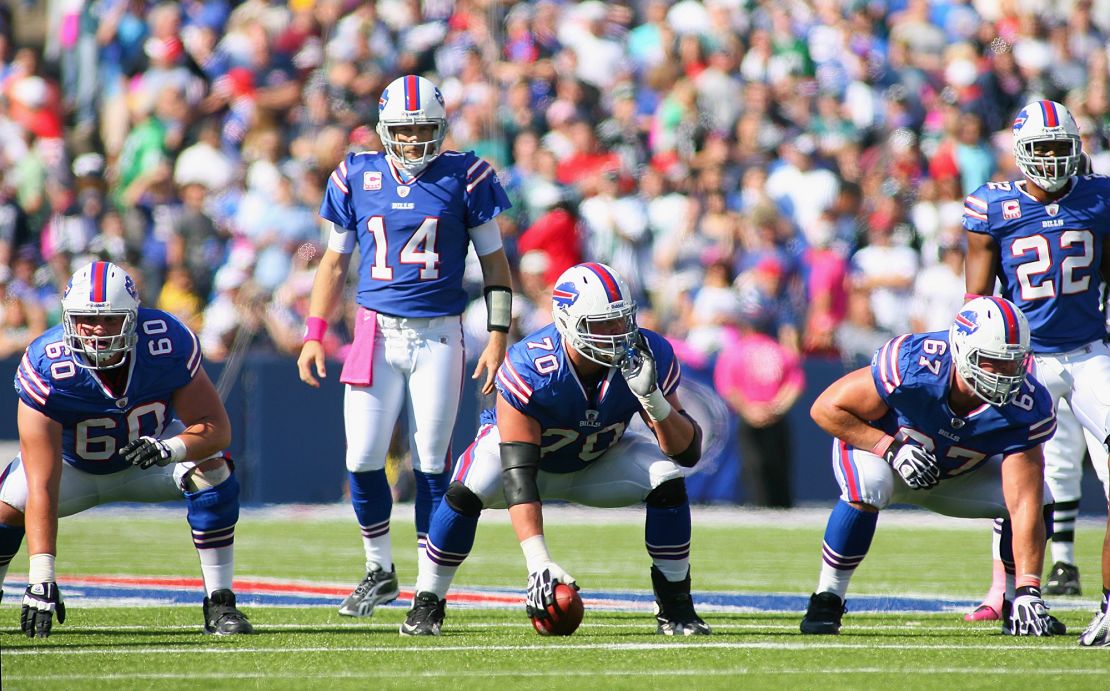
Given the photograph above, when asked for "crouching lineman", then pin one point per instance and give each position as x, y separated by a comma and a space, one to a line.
566, 396
949, 422
115, 406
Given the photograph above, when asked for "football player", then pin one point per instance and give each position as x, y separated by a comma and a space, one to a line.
115, 406
948, 421
412, 211
567, 394
1042, 238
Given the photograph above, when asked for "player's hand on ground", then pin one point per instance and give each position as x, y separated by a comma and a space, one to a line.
146, 452
1029, 615
541, 588
490, 360
917, 467
40, 602
638, 368
312, 354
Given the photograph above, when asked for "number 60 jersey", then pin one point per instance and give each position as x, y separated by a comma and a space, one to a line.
1049, 255
913, 375
96, 423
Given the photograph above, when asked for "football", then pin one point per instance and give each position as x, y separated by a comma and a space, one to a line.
564, 615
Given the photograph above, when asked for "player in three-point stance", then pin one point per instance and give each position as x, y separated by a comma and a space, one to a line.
567, 394
413, 211
115, 406
949, 422
1043, 239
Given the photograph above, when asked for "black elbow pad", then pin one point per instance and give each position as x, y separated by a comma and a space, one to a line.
689, 457
520, 462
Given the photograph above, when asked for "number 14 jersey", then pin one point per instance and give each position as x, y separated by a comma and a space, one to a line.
1049, 256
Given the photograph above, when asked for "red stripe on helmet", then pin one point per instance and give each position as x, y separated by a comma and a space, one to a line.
1010, 319
99, 291
612, 290
412, 92
1048, 109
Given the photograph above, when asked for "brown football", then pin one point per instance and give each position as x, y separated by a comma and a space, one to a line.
564, 615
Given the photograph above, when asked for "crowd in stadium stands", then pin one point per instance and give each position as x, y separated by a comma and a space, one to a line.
797, 167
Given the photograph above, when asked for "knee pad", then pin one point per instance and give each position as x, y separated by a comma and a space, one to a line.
461, 499
199, 478
214, 507
669, 494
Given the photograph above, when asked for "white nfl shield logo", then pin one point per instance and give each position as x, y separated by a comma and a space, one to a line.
1052, 209
402, 192
371, 181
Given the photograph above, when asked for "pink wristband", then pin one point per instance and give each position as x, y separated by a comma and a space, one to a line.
968, 297
882, 445
1028, 579
314, 329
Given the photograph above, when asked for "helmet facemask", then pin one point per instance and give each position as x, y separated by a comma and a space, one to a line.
1049, 171
995, 387
604, 339
99, 352
100, 289
427, 149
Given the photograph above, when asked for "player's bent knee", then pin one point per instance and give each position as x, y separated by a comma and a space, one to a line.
861, 506
207, 474
460, 498
215, 507
668, 495
9, 515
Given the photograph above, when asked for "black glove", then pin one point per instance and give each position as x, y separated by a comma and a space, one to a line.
1029, 615
40, 602
147, 451
917, 466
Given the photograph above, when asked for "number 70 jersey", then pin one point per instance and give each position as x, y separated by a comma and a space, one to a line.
97, 423
1049, 256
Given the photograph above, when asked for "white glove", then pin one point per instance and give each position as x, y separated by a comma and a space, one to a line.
917, 466
541, 588
638, 369
147, 451
1029, 615
1097, 633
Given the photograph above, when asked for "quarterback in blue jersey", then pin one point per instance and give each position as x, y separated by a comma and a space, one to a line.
1043, 239
115, 406
566, 396
949, 422
412, 211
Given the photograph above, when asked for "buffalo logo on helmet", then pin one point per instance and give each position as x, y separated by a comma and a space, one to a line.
967, 322
565, 294
1019, 121
383, 100
130, 286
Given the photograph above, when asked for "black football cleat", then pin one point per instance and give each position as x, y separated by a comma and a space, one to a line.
426, 616
1063, 580
823, 614
674, 608
221, 616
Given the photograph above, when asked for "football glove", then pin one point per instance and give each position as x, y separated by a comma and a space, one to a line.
637, 366
148, 451
40, 602
917, 466
541, 589
1029, 614
1097, 633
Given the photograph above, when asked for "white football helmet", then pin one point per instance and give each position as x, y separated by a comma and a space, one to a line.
1038, 124
100, 289
991, 328
411, 100
594, 312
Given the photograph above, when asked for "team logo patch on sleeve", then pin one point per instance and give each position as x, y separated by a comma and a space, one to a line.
565, 294
371, 181
967, 322
1011, 209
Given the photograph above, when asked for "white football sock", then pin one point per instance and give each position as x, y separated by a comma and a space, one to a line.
673, 570
433, 578
217, 566
379, 551
834, 580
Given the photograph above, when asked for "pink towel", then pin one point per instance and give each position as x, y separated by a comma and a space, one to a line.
358, 368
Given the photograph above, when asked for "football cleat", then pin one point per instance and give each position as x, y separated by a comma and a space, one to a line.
378, 588
1058, 627
426, 616
823, 614
674, 608
221, 616
983, 612
1063, 580
1097, 633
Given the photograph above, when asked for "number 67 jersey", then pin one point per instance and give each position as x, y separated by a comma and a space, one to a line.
1049, 256
913, 375
97, 422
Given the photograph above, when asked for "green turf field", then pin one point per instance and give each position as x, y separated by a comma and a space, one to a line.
760, 552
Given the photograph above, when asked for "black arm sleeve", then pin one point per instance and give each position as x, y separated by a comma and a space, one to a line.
520, 462
690, 456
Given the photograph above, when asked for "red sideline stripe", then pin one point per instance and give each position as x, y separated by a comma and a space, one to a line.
607, 280
1049, 112
1010, 318
412, 93
247, 585
99, 282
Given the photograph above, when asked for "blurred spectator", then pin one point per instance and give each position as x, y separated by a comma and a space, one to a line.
938, 291
858, 337
179, 297
556, 234
885, 268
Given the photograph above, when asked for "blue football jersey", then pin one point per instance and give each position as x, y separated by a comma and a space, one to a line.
913, 374
96, 423
413, 236
1049, 255
538, 379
